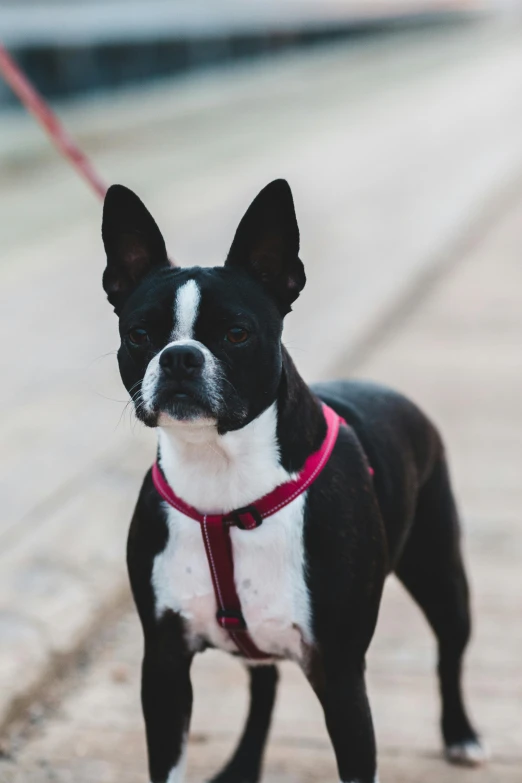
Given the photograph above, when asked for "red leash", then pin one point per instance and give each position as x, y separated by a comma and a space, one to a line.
215, 529
36, 105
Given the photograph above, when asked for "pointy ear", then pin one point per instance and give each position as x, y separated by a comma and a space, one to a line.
133, 244
266, 244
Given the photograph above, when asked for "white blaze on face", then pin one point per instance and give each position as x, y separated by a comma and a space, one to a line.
186, 309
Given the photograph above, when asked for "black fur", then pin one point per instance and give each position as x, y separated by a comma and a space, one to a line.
357, 528
266, 244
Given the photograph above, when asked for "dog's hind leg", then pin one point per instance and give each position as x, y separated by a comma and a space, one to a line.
432, 570
245, 764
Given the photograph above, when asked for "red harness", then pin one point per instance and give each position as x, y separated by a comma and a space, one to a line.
215, 529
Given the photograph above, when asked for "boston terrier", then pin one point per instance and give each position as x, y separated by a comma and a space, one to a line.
274, 511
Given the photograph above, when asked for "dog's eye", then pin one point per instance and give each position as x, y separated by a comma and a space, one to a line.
138, 336
236, 335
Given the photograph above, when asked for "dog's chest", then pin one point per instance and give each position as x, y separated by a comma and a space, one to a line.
269, 572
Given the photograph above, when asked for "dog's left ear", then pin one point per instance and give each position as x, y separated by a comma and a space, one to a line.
133, 244
266, 244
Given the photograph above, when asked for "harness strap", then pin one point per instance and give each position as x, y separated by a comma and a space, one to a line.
218, 547
215, 531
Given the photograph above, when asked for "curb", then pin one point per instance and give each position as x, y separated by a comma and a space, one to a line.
60, 585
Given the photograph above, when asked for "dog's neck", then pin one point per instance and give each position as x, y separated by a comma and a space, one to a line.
219, 473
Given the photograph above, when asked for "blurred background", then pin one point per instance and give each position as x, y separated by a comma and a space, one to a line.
398, 124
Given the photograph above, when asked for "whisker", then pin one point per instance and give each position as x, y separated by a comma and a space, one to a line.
111, 399
102, 356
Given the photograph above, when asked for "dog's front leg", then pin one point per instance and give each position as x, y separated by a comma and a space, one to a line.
166, 694
341, 689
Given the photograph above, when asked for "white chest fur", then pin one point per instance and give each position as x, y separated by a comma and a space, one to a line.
216, 474
269, 570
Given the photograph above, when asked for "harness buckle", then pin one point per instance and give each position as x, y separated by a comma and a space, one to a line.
231, 621
247, 518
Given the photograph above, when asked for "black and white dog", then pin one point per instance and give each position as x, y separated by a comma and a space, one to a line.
202, 358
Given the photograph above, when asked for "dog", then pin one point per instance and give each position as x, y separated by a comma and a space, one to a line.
202, 358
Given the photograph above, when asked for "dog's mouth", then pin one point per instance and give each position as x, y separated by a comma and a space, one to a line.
182, 402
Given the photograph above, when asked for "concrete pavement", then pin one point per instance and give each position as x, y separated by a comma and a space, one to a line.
457, 353
395, 148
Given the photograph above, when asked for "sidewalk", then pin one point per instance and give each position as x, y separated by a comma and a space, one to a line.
385, 185
458, 354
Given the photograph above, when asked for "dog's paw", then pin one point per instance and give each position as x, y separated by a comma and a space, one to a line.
469, 753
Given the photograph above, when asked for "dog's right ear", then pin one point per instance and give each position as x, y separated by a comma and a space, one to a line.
133, 244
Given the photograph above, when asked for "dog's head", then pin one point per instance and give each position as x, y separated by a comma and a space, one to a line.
202, 345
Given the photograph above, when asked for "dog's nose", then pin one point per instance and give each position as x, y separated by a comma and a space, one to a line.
181, 361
